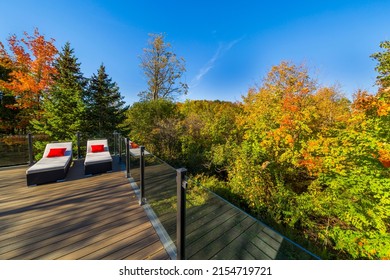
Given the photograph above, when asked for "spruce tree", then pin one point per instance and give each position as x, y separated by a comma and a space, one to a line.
105, 105
8, 116
63, 106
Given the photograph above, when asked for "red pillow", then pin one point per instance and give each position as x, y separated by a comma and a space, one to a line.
97, 148
56, 152
133, 145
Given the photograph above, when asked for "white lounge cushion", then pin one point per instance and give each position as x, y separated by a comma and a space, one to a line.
52, 163
136, 152
94, 158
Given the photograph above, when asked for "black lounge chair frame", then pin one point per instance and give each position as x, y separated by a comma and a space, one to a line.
96, 166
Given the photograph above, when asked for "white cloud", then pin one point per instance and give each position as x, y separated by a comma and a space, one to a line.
222, 50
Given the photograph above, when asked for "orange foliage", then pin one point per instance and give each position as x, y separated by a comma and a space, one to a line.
364, 101
384, 157
290, 102
372, 104
383, 108
31, 61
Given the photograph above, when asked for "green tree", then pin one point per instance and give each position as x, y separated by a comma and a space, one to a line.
105, 105
8, 113
155, 124
208, 131
383, 66
163, 70
63, 107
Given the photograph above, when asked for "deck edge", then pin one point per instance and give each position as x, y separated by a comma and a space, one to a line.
160, 230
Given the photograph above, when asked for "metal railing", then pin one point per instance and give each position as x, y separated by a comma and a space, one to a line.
13, 150
202, 224
216, 229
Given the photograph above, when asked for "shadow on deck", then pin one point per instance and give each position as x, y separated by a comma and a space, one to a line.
94, 217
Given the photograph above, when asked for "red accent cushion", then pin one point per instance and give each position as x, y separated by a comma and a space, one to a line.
97, 148
133, 145
56, 152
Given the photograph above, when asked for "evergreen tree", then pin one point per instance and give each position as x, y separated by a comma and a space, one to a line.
8, 116
64, 109
105, 105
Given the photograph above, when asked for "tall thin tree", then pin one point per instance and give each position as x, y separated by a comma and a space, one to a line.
163, 70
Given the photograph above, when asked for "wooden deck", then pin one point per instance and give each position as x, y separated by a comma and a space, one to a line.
96, 217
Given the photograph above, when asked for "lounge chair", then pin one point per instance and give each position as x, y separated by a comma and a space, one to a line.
98, 158
53, 165
136, 152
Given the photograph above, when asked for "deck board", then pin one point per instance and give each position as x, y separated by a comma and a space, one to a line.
82, 217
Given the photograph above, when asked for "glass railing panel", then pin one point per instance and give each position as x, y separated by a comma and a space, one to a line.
163, 195
159, 189
216, 229
13, 150
160, 192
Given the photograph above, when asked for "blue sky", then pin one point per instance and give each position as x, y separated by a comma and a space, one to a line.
228, 46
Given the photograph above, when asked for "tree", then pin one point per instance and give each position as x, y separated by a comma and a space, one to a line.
310, 163
105, 105
383, 79
63, 108
8, 114
31, 61
383, 66
154, 123
208, 129
163, 70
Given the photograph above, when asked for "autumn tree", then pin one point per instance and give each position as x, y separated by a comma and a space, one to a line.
309, 162
105, 105
63, 108
348, 199
31, 61
163, 70
383, 65
383, 79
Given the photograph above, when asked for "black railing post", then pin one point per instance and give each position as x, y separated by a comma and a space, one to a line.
30, 150
142, 174
181, 212
127, 158
120, 147
115, 139
78, 145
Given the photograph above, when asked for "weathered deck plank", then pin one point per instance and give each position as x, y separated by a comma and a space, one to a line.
82, 217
